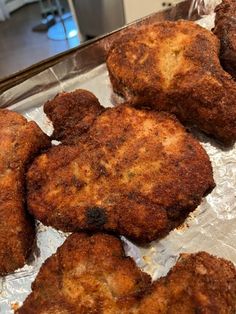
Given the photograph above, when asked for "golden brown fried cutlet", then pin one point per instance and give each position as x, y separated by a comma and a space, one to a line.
91, 274
174, 67
72, 116
19, 142
137, 173
225, 30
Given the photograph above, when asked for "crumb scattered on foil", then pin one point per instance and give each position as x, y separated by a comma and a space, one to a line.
15, 306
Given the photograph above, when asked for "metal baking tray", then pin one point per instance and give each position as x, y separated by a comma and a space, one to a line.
211, 227
93, 52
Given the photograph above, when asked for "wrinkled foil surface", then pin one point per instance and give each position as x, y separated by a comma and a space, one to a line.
211, 227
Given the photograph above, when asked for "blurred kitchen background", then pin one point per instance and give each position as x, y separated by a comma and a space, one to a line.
33, 30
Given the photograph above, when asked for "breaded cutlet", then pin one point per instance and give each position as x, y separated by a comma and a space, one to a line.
20, 141
91, 275
225, 29
175, 67
134, 172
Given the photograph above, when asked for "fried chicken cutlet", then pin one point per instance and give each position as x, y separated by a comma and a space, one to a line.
19, 142
225, 30
135, 172
91, 274
174, 67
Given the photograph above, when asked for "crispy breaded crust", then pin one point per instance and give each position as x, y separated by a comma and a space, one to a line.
198, 283
174, 67
72, 116
225, 29
19, 142
90, 274
137, 173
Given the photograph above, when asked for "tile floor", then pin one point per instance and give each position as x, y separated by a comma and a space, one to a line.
20, 47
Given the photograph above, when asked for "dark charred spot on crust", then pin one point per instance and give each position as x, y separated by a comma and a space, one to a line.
96, 216
173, 213
36, 186
208, 191
102, 171
176, 163
77, 183
119, 141
197, 310
190, 147
132, 196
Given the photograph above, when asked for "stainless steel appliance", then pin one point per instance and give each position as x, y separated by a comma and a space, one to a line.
97, 17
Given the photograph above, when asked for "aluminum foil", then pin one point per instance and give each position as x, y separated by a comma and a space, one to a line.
205, 10
203, 7
211, 227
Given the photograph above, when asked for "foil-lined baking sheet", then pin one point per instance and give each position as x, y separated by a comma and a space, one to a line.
211, 227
